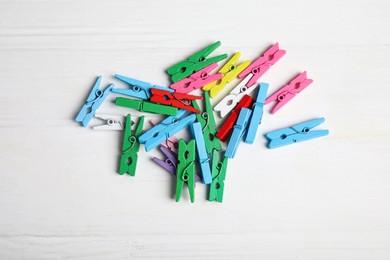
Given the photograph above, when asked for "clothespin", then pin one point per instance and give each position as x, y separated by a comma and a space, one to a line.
186, 169
171, 143
138, 89
197, 80
203, 157
130, 147
262, 64
169, 164
228, 125
145, 106
257, 114
287, 92
296, 133
195, 62
207, 120
178, 100
238, 132
218, 172
229, 102
111, 122
230, 71
94, 100
167, 128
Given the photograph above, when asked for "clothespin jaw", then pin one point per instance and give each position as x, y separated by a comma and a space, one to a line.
257, 114
226, 128
111, 122
137, 88
262, 64
130, 148
167, 128
296, 133
203, 157
195, 63
229, 102
168, 164
186, 169
145, 106
171, 143
287, 92
230, 71
196, 80
218, 172
94, 100
178, 100
207, 121
238, 132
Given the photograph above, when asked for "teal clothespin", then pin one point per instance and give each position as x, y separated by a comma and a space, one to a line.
209, 128
195, 62
130, 147
218, 172
145, 106
186, 169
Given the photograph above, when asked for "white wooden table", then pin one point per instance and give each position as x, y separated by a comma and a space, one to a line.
60, 195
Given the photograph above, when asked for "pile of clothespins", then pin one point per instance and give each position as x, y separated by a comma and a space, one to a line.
182, 110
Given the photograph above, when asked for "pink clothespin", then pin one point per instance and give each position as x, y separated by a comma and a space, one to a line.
171, 143
262, 64
197, 80
286, 93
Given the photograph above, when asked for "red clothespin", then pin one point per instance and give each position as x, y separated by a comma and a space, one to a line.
178, 100
286, 93
197, 80
262, 64
227, 127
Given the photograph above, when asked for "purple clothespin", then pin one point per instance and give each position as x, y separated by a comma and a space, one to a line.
171, 162
171, 143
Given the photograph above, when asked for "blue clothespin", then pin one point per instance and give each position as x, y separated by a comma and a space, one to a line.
296, 133
167, 128
94, 100
238, 132
257, 114
138, 89
196, 129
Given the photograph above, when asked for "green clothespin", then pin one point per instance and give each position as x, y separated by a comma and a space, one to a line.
218, 173
207, 120
130, 147
195, 62
145, 106
185, 172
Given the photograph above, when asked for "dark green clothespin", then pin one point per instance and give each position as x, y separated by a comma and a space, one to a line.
130, 147
218, 173
185, 172
195, 62
145, 106
207, 120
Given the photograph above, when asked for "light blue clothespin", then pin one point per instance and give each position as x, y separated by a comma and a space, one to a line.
138, 89
196, 129
167, 128
238, 132
257, 114
296, 133
94, 100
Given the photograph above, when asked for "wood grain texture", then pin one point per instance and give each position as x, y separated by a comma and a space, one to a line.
60, 196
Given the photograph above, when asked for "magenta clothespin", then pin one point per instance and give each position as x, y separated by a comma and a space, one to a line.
170, 163
197, 80
286, 93
171, 143
262, 64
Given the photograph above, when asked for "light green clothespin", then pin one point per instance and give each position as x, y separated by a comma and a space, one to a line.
185, 172
207, 120
145, 106
218, 173
130, 147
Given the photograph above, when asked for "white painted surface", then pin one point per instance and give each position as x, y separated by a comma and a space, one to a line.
60, 196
